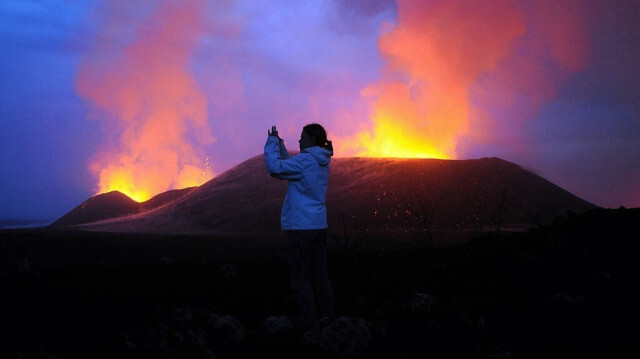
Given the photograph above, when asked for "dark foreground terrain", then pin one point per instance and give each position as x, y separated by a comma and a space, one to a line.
559, 291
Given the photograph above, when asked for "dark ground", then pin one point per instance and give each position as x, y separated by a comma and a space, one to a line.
564, 290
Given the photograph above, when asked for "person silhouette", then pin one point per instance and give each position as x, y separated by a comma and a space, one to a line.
304, 217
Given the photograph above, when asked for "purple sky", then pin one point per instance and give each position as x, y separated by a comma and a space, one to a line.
288, 63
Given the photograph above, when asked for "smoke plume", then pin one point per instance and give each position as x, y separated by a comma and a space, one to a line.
140, 86
467, 71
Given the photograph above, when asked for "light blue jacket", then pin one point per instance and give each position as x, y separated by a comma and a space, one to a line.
307, 173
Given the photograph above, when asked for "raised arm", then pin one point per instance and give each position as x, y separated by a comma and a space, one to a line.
284, 154
277, 160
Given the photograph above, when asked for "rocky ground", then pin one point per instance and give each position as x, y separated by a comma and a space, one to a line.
563, 290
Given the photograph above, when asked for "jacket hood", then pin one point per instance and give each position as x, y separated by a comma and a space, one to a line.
322, 155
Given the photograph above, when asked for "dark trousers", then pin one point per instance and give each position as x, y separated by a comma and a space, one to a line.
307, 251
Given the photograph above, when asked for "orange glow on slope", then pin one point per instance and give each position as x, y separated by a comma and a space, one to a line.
394, 134
440, 52
152, 103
